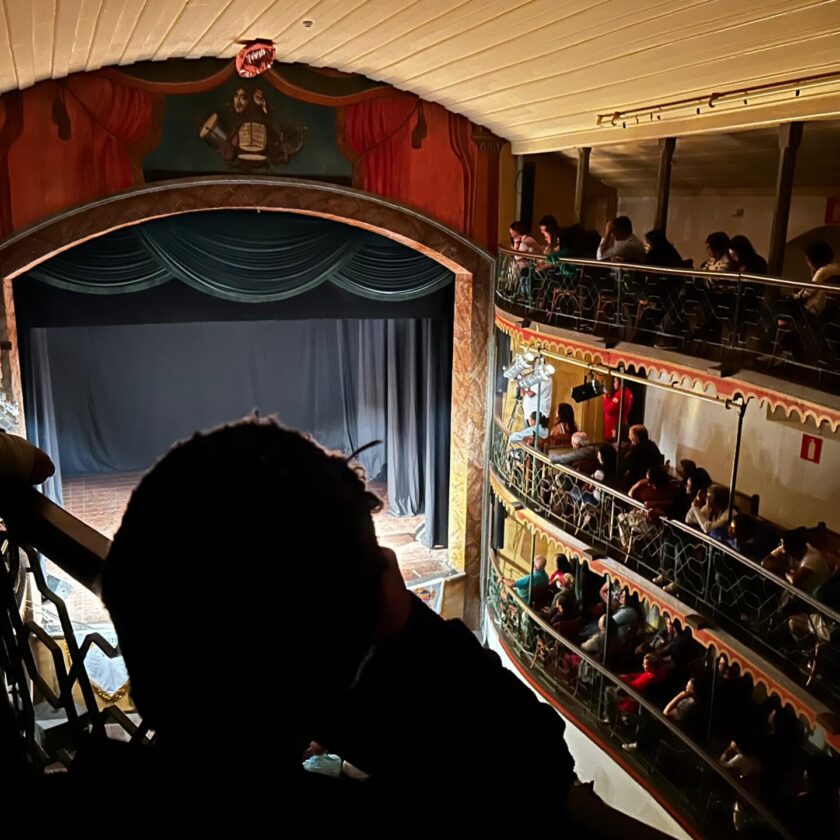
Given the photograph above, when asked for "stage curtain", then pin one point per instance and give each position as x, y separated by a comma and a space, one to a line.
246, 257
404, 151
115, 398
41, 428
74, 145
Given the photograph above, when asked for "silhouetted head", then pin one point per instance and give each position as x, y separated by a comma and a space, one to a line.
818, 254
717, 244
246, 562
622, 227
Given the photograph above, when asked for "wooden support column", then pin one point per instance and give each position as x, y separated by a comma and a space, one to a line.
663, 190
790, 135
580, 184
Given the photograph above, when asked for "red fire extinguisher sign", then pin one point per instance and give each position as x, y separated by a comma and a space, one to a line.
811, 449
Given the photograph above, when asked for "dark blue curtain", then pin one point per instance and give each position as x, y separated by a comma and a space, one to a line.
246, 256
108, 391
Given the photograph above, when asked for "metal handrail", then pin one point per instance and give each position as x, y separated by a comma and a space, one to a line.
679, 272
652, 710
816, 606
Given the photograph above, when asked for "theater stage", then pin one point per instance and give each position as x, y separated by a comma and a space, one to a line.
101, 500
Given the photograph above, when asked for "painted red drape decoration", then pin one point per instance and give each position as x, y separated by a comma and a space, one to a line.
46, 173
435, 178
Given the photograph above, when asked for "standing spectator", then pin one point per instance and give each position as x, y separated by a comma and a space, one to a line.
660, 252
744, 258
619, 244
531, 397
612, 401
521, 240
717, 253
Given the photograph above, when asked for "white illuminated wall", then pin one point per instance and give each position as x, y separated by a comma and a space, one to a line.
793, 491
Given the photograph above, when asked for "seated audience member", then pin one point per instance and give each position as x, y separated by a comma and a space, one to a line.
684, 708
753, 537
656, 491
641, 455
565, 426
550, 230
564, 606
819, 256
696, 483
619, 244
711, 516
658, 495
605, 637
526, 435
740, 758
536, 582
584, 454
626, 616
732, 705
641, 682
613, 404
679, 650
804, 566
744, 258
564, 249
664, 633
660, 252
605, 473
717, 253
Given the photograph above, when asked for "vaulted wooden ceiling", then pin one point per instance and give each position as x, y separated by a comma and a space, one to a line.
537, 72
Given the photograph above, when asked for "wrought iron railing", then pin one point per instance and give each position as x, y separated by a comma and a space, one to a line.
749, 601
687, 776
49, 701
738, 320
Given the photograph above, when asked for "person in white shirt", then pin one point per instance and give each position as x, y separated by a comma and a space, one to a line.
529, 400
527, 434
710, 511
807, 568
619, 244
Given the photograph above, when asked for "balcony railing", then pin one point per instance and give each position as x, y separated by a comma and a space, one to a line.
49, 699
737, 320
752, 603
687, 776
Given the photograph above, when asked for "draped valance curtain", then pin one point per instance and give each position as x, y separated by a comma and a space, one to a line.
246, 256
113, 397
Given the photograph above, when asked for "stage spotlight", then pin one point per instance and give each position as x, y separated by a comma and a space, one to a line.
521, 363
588, 391
542, 373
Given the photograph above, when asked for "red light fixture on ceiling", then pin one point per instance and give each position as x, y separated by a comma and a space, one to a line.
255, 57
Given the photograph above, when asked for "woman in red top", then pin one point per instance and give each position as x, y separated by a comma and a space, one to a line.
612, 402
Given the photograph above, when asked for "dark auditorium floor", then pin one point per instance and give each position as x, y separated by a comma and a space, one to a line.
101, 500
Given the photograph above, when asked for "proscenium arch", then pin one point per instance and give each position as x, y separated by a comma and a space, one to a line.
472, 266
